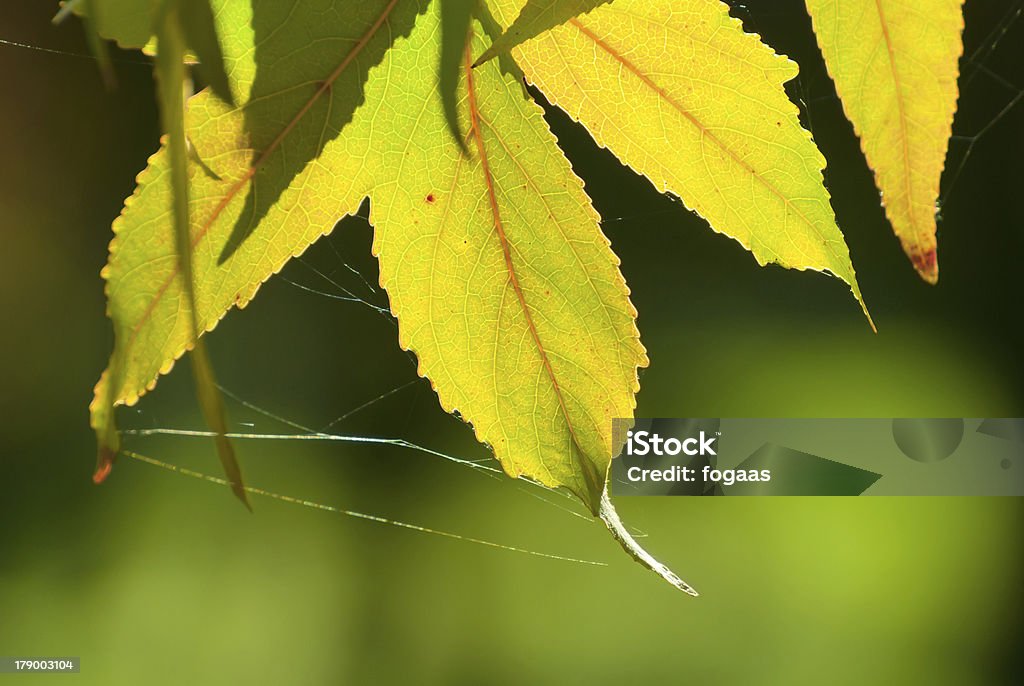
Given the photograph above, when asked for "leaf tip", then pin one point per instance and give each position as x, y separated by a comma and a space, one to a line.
926, 264
618, 530
859, 297
487, 56
104, 464
239, 490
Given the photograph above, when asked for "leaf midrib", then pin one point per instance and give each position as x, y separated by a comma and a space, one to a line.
901, 106
705, 132
476, 133
605, 307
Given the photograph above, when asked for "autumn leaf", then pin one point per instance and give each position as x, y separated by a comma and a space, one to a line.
175, 25
680, 93
494, 261
172, 31
492, 256
895, 66
503, 284
258, 149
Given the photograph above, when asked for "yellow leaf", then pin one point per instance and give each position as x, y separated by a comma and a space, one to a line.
536, 17
253, 176
680, 93
517, 311
494, 261
895, 69
503, 283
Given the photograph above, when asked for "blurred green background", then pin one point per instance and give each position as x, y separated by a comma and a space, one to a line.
155, 578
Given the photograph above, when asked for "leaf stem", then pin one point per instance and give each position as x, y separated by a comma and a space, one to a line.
170, 69
619, 532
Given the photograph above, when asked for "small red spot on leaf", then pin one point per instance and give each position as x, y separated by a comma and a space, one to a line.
431, 198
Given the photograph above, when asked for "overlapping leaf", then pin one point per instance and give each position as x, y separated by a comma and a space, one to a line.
528, 377
494, 261
680, 93
492, 257
456, 16
130, 23
172, 26
536, 17
172, 31
256, 170
135, 24
895, 69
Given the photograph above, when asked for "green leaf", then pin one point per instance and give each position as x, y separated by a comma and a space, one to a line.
494, 262
307, 79
200, 33
97, 46
134, 24
895, 67
129, 23
542, 246
536, 17
170, 71
292, 102
455, 18
504, 286
678, 92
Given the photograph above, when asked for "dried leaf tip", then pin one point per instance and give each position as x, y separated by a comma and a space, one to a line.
611, 519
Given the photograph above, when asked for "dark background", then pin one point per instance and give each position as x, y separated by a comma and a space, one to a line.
158, 578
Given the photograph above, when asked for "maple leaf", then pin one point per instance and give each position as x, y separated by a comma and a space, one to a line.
492, 256
682, 95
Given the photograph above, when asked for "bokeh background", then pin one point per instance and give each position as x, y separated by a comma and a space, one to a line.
156, 578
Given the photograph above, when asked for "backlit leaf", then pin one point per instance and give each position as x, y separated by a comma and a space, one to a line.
255, 171
170, 71
678, 92
494, 261
135, 23
505, 287
894, 64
